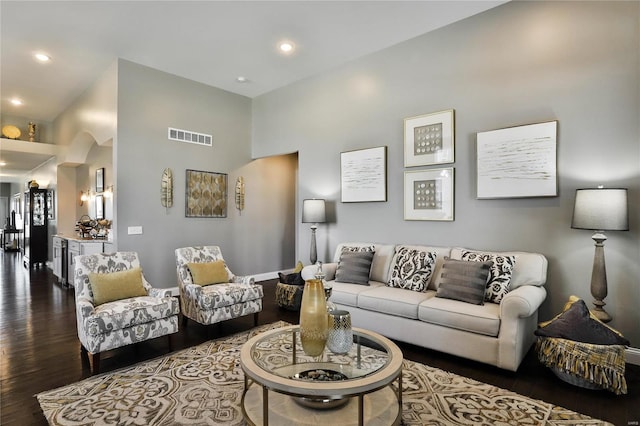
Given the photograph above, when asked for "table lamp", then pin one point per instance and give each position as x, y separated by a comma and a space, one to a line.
600, 209
313, 211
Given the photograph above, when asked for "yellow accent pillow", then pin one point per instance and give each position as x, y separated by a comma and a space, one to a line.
207, 273
114, 286
299, 267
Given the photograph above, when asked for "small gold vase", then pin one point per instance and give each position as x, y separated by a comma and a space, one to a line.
313, 318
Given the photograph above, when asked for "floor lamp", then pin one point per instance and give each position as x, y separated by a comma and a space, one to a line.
313, 211
600, 209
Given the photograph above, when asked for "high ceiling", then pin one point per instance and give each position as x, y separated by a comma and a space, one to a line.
212, 42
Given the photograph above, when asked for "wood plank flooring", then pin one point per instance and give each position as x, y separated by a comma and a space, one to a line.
40, 351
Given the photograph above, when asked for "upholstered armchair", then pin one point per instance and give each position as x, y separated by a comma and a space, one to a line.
211, 299
116, 306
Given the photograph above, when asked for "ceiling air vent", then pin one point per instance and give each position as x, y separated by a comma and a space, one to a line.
191, 137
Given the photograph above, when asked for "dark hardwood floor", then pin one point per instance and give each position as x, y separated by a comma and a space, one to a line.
40, 351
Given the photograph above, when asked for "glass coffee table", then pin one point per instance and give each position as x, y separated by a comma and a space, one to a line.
283, 385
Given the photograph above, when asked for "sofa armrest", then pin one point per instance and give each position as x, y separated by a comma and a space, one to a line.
159, 292
84, 307
247, 280
522, 302
329, 269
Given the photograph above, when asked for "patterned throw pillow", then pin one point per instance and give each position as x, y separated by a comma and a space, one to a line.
354, 267
499, 274
358, 248
463, 280
412, 268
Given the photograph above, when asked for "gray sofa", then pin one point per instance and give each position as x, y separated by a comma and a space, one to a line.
499, 334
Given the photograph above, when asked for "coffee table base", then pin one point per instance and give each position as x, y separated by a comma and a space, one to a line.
381, 408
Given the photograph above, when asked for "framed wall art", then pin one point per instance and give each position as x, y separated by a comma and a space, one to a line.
428, 194
429, 139
100, 180
99, 206
363, 175
206, 194
518, 162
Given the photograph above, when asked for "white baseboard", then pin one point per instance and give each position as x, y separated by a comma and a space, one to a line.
632, 356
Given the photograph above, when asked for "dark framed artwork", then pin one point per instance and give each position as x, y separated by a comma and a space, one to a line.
363, 175
206, 194
100, 180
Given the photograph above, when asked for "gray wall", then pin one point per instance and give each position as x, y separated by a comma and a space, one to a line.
149, 101
523, 62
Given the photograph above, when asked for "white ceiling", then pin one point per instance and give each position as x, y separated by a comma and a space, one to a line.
211, 42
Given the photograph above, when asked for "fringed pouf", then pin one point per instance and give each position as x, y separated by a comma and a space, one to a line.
584, 364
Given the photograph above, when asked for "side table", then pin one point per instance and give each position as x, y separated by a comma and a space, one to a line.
11, 239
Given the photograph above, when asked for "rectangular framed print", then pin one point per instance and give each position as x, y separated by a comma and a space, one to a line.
518, 162
428, 194
363, 175
99, 206
206, 194
100, 180
429, 139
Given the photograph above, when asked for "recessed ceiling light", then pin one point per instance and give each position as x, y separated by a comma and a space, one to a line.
42, 57
16, 101
286, 47
241, 79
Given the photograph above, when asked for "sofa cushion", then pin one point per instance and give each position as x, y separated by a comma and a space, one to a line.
480, 319
412, 268
500, 273
347, 293
464, 281
354, 267
381, 260
393, 301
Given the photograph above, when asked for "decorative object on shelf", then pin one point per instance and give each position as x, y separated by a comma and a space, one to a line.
428, 194
600, 209
100, 180
240, 194
206, 194
11, 132
166, 189
314, 212
34, 184
518, 162
429, 139
32, 131
363, 175
51, 204
340, 336
313, 318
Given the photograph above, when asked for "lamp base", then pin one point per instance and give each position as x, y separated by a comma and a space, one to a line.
599, 279
599, 311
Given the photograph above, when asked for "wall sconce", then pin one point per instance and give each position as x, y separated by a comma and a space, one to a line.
83, 197
108, 193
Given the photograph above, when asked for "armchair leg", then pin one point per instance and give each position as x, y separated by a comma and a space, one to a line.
169, 342
255, 319
95, 361
185, 321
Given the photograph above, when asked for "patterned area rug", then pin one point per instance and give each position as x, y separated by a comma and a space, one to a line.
203, 385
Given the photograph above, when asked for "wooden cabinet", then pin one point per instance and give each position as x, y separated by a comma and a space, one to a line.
36, 224
60, 259
80, 247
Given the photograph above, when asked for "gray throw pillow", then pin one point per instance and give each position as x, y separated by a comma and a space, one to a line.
354, 267
576, 324
464, 280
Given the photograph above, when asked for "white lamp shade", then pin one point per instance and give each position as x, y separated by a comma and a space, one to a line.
601, 209
313, 211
